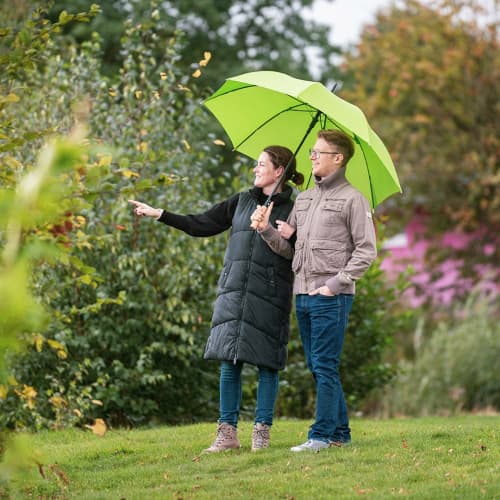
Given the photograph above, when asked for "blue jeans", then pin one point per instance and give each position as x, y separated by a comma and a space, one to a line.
322, 323
230, 394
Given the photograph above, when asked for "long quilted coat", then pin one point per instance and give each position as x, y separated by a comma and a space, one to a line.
250, 322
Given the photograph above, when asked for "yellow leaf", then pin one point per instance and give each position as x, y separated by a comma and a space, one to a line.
78, 413
57, 401
156, 94
186, 144
62, 354
143, 146
28, 394
11, 98
218, 142
96, 402
80, 220
163, 75
55, 344
3, 391
138, 94
129, 173
99, 428
105, 161
206, 58
38, 342
196, 74
112, 92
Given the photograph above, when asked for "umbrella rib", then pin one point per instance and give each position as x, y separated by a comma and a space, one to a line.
367, 170
271, 118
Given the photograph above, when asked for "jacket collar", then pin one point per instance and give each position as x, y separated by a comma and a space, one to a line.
333, 180
278, 198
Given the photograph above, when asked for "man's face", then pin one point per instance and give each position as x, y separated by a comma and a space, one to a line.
325, 159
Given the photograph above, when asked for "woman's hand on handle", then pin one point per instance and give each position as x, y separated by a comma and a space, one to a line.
260, 217
145, 210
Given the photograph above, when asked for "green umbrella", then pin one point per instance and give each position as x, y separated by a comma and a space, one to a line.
266, 107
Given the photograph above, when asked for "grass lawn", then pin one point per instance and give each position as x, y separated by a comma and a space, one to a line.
432, 458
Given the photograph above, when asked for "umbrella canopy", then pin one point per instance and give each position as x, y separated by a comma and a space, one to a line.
266, 107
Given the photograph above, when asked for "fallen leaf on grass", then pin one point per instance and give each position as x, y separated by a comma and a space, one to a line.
99, 428
364, 491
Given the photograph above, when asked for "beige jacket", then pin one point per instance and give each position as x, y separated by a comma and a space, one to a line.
336, 240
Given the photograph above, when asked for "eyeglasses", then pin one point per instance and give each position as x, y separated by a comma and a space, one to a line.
315, 154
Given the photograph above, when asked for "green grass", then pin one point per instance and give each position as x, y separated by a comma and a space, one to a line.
456, 457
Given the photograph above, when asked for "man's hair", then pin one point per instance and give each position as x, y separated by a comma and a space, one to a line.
341, 141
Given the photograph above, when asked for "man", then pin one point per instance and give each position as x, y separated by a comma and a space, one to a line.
335, 244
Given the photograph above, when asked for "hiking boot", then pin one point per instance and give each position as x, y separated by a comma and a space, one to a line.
311, 445
260, 436
226, 439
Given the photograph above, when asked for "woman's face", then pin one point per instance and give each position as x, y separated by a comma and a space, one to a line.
266, 175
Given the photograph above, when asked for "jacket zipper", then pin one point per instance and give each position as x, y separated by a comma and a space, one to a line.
236, 348
308, 253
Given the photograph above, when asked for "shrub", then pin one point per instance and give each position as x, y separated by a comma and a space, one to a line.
455, 369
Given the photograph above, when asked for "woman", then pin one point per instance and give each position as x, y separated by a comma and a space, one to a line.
250, 322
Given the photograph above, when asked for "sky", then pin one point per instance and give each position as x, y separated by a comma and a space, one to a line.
347, 17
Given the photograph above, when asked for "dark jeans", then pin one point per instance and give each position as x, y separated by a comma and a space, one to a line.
230, 393
322, 323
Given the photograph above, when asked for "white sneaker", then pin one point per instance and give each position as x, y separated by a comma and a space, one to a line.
311, 445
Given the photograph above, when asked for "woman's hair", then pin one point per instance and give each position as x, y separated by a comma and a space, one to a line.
340, 140
280, 156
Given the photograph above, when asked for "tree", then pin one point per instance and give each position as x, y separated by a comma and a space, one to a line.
427, 77
139, 357
131, 301
241, 35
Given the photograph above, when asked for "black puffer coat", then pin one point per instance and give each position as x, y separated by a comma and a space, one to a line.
252, 310
254, 294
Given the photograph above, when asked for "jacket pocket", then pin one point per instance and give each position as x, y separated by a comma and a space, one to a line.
271, 282
224, 275
301, 208
328, 256
331, 212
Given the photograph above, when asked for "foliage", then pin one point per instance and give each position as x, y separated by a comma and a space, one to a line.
130, 301
30, 196
36, 200
453, 457
144, 358
426, 74
241, 35
453, 370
